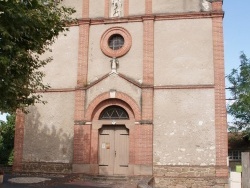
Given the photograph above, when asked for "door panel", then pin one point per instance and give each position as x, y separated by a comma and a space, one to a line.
106, 151
113, 150
122, 151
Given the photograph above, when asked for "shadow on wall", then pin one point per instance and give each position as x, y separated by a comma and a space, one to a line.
47, 139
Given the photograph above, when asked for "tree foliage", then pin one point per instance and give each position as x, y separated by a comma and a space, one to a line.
27, 29
240, 90
7, 131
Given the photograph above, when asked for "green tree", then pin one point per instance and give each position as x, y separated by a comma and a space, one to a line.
240, 91
27, 29
7, 131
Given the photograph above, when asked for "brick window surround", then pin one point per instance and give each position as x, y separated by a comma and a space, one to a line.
104, 44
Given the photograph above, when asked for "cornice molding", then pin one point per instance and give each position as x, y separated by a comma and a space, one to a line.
198, 86
155, 17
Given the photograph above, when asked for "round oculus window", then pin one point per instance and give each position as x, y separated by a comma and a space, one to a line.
116, 42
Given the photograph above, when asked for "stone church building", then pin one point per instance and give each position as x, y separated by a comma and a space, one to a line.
137, 88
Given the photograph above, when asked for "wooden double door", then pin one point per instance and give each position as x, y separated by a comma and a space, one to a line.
113, 150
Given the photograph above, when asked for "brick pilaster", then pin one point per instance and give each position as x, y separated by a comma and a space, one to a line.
82, 132
18, 142
83, 55
148, 51
147, 104
148, 6
79, 105
81, 144
94, 146
106, 11
143, 142
148, 69
220, 105
217, 5
85, 9
126, 7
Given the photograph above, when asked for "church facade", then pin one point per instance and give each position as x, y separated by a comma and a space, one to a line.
137, 88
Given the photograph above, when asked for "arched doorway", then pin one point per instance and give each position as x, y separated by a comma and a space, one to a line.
113, 157
120, 116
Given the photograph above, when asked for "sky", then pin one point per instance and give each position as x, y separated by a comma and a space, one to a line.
2, 117
236, 27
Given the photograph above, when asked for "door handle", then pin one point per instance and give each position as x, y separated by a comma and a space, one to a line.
115, 153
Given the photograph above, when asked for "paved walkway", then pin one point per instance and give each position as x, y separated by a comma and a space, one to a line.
59, 181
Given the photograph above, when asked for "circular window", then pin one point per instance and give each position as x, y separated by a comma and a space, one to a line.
116, 42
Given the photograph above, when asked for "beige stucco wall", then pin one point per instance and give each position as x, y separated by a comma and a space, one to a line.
130, 64
62, 71
184, 132
136, 7
114, 82
48, 133
96, 8
160, 6
183, 52
76, 4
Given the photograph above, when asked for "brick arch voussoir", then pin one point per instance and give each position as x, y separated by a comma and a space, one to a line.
119, 95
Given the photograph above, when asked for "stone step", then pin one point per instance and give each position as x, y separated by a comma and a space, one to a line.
105, 178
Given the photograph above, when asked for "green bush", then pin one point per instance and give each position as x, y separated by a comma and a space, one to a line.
11, 157
7, 132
